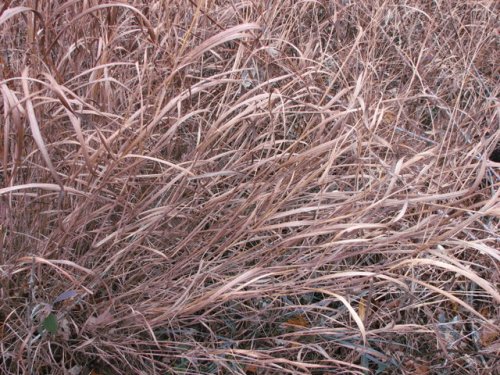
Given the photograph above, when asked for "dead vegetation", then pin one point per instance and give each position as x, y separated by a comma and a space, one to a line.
249, 187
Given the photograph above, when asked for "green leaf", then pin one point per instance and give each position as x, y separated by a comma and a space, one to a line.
50, 323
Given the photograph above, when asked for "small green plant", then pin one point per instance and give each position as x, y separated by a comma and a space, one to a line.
50, 323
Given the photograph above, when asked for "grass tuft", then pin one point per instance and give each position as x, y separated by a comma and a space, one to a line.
263, 187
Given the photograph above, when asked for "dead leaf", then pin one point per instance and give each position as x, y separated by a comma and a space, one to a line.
250, 369
485, 311
69, 294
75, 370
493, 348
64, 329
388, 117
298, 321
421, 369
99, 321
488, 335
417, 368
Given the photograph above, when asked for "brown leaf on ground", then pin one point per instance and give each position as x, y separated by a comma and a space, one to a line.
299, 320
100, 321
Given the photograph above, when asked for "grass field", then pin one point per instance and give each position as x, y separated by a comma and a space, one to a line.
249, 187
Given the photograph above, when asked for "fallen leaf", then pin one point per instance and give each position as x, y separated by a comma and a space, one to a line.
493, 348
421, 369
485, 311
298, 320
101, 320
250, 369
388, 117
488, 335
75, 370
64, 296
64, 329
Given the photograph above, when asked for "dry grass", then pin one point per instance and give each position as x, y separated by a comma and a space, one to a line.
249, 187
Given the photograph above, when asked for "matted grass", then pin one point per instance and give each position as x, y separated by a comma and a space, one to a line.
249, 187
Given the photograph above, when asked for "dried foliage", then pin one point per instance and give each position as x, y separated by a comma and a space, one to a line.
249, 187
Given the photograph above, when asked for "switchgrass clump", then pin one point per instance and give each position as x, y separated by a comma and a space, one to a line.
249, 187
